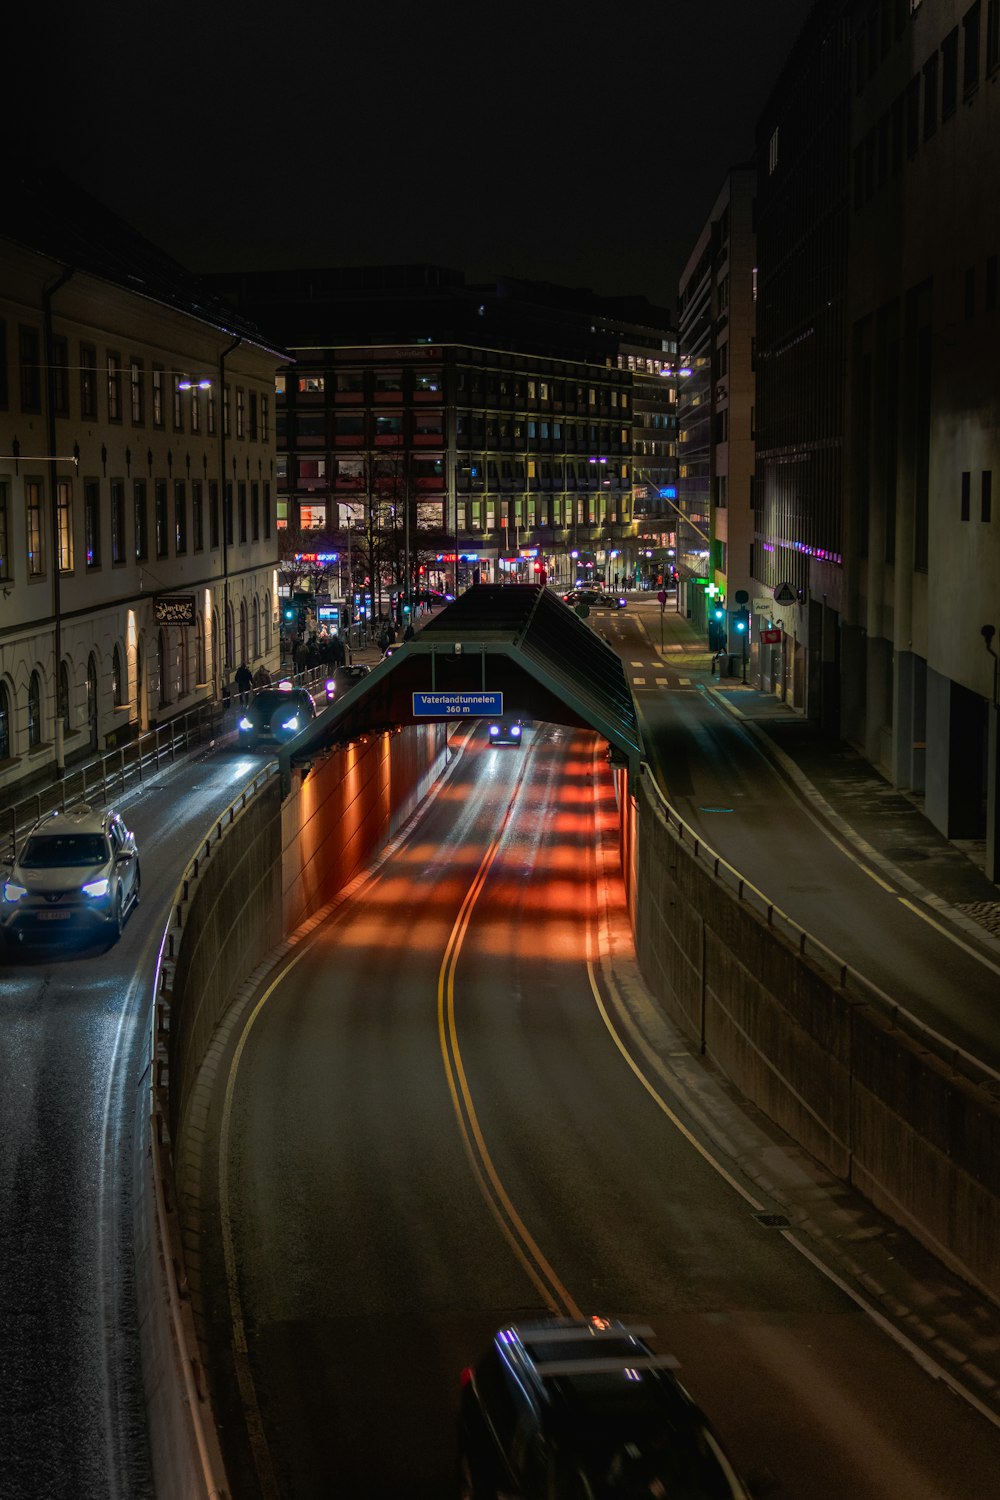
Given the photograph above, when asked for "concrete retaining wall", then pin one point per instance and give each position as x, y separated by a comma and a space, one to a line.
267, 865
819, 1052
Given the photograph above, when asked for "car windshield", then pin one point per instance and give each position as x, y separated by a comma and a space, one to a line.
266, 703
61, 851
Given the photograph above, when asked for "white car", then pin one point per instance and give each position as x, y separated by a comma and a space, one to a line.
77, 871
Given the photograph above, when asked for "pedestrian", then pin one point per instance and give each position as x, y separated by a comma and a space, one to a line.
336, 650
261, 678
409, 632
383, 639
244, 683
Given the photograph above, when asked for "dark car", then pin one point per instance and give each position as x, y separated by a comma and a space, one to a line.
584, 1410
77, 871
504, 731
612, 601
343, 678
275, 715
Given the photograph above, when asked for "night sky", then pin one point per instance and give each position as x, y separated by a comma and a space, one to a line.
525, 139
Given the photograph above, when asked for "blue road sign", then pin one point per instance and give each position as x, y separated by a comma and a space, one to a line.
456, 705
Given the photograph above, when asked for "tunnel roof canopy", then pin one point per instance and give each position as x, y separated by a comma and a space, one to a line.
517, 640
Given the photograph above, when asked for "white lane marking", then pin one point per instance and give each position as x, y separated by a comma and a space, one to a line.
661, 682
639, 681
965, 947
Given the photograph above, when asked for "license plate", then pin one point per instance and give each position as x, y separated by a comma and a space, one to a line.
54, 916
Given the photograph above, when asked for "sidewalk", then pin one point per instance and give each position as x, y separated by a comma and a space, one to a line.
886, 825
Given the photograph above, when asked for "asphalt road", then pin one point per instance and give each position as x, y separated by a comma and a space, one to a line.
724, 786
433, 1122
73, 1027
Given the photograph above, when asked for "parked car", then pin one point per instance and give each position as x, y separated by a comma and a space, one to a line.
77, 871
275, 715
583, 1409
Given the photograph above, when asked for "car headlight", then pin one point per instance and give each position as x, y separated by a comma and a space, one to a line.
516, 731
331, 688
97, 888
245, 723
12, 891
292, 723
494, 729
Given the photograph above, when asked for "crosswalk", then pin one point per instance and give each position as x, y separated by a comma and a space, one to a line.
659, 682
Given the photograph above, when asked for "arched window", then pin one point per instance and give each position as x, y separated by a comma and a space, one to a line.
183, 664
92, 699
63, 705
216, 655
230, 635
199, 648
255, 621
117, 681
244, 644
267, 621
164, 668
34, 711
6, 748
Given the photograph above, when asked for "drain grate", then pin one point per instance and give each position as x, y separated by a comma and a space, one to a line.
772, 1221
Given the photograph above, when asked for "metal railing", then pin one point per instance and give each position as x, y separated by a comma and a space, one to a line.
846, 978
107, 776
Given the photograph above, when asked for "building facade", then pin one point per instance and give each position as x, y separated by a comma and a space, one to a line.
507, 420
137, 485
802, 228
922, 554
716, 410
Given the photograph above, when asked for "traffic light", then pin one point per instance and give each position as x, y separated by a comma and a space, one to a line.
288, 613
741, 621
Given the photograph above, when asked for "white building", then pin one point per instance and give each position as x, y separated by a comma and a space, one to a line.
137, 484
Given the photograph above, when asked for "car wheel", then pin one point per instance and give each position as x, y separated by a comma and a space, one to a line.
119, 922
138, 884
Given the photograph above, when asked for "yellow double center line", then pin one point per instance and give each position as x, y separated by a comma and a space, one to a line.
512, 1226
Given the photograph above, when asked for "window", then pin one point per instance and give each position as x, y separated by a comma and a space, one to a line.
34, 711
88, 382
180, 517
114, 386
772, 152
117, 522
913, 115
930, 95
265, 419
241, 502
35, 533
92, 522
161, 520
971, 26
158, 395
308, 384
267, 511
60, 377
137, 393
6, 747
140, 519
213, 513
986, 512
178, 402
225, 412
255, 511
350, 382
966, 506
227, 518
196, 411
64, 526
210, 412
31, 369
118, 694
3, 364
197, 517
253, 416
241, 412
5, 564
949, 74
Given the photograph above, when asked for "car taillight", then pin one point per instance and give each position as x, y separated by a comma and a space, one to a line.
466, 1376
